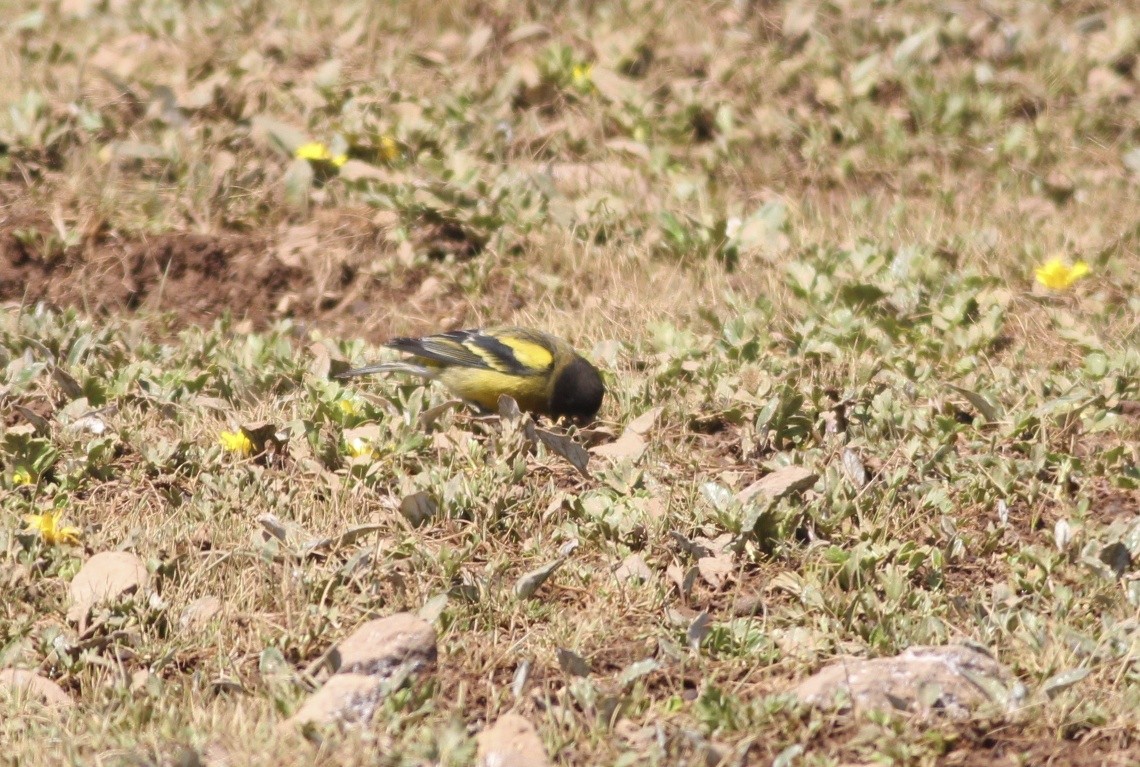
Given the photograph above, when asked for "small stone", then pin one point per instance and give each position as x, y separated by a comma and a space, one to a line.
951, 679
511, 742
106, 577
381, 644
373, 661
344, 697
32, 686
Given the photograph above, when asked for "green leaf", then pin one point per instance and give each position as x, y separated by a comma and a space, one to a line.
988, 410
1058, 683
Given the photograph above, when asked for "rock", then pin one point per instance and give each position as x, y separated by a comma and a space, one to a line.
32, 686
950, 679
106, 577
373, 661
781, 482
344, 698
511, 742
378, 645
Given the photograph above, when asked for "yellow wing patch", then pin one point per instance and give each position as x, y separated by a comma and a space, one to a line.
512, 352
530, 354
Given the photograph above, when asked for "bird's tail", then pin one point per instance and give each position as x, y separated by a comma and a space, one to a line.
391, 367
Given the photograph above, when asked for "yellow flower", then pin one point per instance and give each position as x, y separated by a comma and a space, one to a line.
348, 407
50, 530
315, 151
581, 76
235, 442
1055, 274
389, 149
359, 448
22, 476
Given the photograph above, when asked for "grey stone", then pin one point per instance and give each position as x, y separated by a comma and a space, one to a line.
373, 661
950, 679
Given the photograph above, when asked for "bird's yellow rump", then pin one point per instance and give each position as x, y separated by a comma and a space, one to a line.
542, 373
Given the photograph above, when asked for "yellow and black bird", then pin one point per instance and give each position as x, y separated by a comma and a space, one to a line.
542, 373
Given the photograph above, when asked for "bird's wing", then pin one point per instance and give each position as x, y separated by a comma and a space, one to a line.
512, 352
531, 349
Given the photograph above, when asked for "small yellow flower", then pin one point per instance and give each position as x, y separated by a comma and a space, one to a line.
1055, 274
22, 476
315, 151
359, 448
581, 76
348, 407
235, 442
50, 530
389, 149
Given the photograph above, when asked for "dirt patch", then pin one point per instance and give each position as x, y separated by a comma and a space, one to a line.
345, 279
195, 276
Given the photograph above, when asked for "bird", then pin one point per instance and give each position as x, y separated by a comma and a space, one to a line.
543, 374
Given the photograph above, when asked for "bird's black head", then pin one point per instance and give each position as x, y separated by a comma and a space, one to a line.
578, 391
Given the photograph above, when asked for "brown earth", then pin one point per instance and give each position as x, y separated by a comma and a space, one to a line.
338, 273
195, 276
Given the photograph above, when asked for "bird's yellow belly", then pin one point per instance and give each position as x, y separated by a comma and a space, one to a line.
483, 388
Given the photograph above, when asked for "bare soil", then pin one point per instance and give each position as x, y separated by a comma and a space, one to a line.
196, 277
